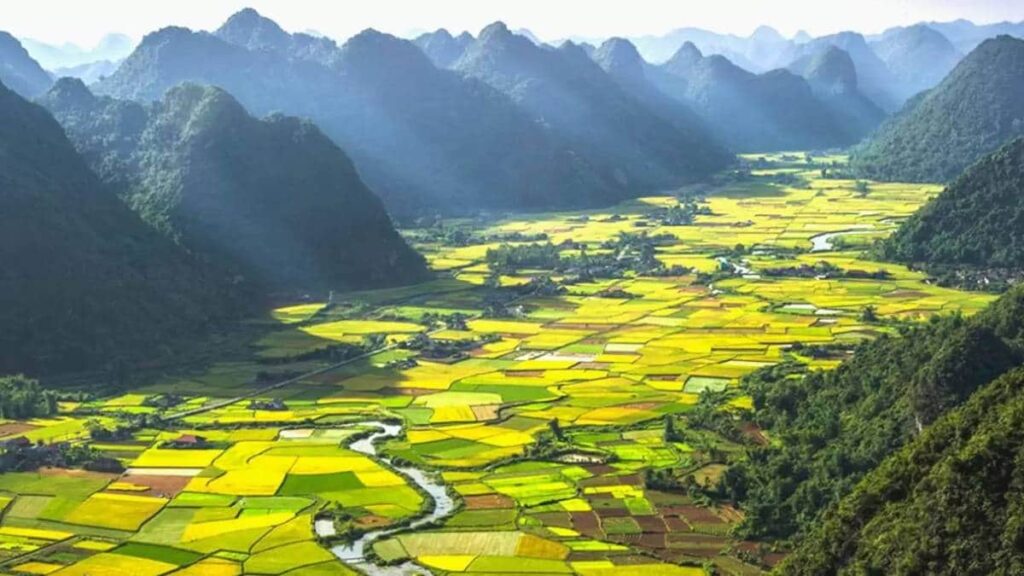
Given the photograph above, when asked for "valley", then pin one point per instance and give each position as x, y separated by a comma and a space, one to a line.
574, 379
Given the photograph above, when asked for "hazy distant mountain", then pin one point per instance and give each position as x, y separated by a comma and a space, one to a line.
88, 73
442, 48
918, 56
832, 76
874, 78
966, 35
570, 94
621, 60
976, 222
273, 200
526, 33
763, 50
772, 111
975, 110
249, 29
426, 139
802, 37
18, 71
766, 49
112, 47
84, 281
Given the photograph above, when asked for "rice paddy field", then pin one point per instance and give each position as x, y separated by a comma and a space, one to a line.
228, 478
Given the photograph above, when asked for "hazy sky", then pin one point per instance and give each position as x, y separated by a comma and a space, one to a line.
85, 21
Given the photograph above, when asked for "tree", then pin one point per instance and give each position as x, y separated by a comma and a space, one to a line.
22, 397
671, 435
556, 429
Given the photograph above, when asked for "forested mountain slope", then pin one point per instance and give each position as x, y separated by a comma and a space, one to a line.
949, 503
273, 201
977, 222
938, 134
833, 428
84, 281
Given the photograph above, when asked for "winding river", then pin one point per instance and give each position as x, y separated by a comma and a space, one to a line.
823, 242
354, 553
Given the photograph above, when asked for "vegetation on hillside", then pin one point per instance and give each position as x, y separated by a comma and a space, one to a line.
938, 134
271, 201
975, 223
835, 427
951, 502
22, 397
84, 281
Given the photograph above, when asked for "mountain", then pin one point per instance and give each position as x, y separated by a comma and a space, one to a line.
918, 56
874, 78
529, 35
18, 71
751, 112
442, 48
84, 280
833, 429
273, 200
566, 91
966, 35
620, 59
427, 139
111, 47
89, 72
950, 503
976, 222
832, 76
903, 69
765, 49
247, 28
972, 112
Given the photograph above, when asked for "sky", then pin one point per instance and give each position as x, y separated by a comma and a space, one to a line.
84, 22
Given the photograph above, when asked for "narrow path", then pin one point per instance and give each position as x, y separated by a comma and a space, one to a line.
271, 387
20, 559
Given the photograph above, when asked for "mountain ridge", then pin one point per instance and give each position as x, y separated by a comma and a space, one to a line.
975, 110
19, 71
107, 288
271, 200
973, 223
427, 139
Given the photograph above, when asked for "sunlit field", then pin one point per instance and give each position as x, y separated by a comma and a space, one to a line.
220, 487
